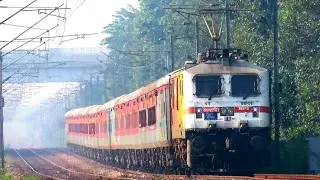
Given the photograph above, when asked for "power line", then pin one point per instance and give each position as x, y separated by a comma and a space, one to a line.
50, 30
76, 9
36, 8
24, 55
113, 60
29, 28
16, 72
45, 37
15, 25
64, 26
17, 12
28, 41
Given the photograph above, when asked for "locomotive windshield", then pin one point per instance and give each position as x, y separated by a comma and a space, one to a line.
208, 86
244, 85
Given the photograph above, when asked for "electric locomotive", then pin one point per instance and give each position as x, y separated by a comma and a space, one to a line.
227, 122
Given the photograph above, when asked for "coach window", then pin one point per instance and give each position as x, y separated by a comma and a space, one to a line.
208, 86
244, 85
92, 129
82, 131
151, 116
142, 118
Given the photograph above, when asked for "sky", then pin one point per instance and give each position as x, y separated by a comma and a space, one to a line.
90, 17
85, 16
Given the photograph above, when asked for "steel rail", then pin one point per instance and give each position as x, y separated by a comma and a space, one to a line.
72, 171
35, 171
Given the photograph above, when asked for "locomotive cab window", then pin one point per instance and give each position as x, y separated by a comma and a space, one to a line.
208, 86
245, 85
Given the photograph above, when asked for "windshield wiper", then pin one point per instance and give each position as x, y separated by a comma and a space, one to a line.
248, 94
210, 97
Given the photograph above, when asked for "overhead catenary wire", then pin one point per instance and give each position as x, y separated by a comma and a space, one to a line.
24, 55
11, 86
17, 12
16, 72
61, 36
31, 39
55, 36
29, 28
21, 26
45, 37
181, 14
33, 7
64, 26
113, 60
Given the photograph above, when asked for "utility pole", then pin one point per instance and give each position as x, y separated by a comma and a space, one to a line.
276, 86
197, 36
227, 24
91, 96
1, 115
171, 53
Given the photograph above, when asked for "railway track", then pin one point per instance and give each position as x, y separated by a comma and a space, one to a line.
288, 176
145, 175
205, 177
45, 168
40, 163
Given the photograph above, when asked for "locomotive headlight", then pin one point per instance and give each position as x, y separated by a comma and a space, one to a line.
255, 112
227, 111
198, 112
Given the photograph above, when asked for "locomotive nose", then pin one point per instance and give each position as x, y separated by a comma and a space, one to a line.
258, 142
198, 144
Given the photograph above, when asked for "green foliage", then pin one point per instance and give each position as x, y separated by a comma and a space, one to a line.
4, 175
294, 156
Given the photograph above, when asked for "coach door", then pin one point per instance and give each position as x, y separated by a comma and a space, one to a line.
167, 114
111, 122
163, 114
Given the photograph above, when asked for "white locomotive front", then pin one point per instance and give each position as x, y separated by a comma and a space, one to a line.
228, 109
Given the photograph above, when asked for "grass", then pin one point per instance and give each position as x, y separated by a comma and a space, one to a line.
5, 176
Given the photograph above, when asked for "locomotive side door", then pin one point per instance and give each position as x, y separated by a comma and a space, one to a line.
176, 106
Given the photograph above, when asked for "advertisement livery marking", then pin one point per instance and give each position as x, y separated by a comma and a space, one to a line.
210, 109
237, 109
